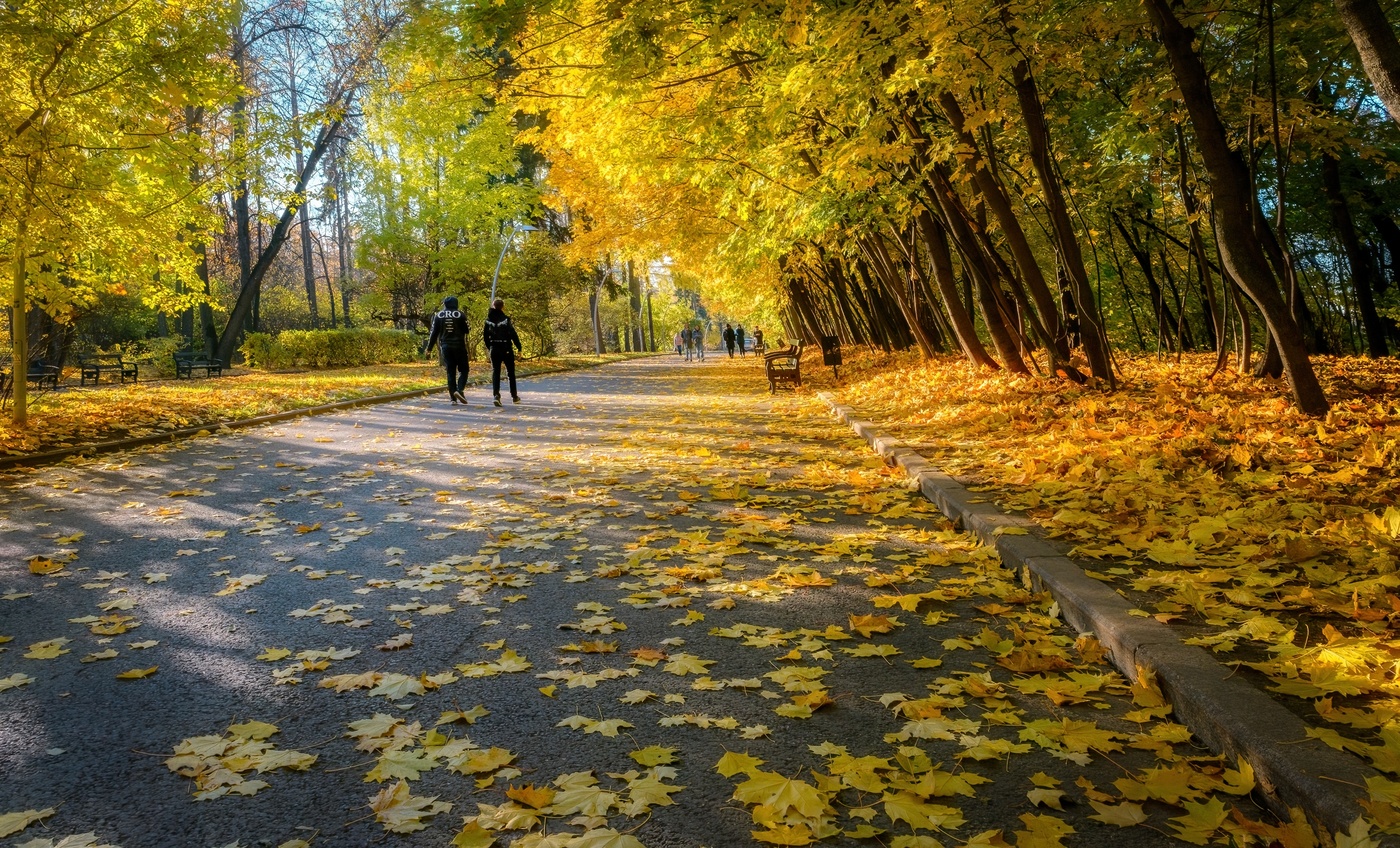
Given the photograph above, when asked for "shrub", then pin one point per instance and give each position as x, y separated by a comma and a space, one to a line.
155, 355
329, 348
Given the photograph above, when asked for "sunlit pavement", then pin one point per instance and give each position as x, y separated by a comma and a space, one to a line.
653, 553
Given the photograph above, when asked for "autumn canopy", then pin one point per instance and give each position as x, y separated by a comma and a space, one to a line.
1038, 187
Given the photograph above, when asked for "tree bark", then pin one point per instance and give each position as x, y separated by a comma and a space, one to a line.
1363, 271
1380, 50
1231, 189
964, 330
994, 195
242, 308
308, 267
1096, 345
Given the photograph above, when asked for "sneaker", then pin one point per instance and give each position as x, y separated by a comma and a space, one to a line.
497, 401
515, 398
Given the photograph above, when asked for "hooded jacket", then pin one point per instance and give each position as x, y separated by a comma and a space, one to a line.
449, 327
499, 332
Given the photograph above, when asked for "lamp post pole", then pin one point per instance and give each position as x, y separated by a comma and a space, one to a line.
502, 258
651, 325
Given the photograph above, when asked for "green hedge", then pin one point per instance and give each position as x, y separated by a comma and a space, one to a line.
328, 348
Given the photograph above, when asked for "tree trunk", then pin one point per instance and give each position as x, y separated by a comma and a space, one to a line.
1380, 50
1066, 241
308, 266
1363, 273
876, 254
1215, 320
19, 334
242, 308
994, 195
1231, 189
964, 330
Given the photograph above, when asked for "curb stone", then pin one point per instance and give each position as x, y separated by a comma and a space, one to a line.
1228, 714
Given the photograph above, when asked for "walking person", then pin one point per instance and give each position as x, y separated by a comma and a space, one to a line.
500, 336
728, 336
680, 343
449, 333
698, 334
739, 338
688, 336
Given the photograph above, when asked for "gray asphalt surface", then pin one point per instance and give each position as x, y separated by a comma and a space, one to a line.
678, 500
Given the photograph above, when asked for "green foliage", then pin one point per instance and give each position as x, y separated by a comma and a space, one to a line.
155, 356
328, 348
440, 179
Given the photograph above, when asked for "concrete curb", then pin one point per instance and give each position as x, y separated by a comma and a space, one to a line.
211, 427
1228, 714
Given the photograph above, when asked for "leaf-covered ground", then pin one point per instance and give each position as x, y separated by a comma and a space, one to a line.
1272, 536
649, 606
76, 415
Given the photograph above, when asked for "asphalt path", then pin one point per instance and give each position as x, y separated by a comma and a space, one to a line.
652, 527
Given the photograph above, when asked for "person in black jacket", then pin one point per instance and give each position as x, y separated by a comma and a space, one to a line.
450, 334
500, 335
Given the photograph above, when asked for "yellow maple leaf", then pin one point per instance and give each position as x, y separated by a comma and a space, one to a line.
465, 716
473, 835
401, 812
531, 795
1042, 831
14, 681
1126, 814
137, 673
605, 837
867, 625
403, 763
780, 794
734, 762
785, 834
252, 730
481, 762
918, 813
11, 823
1202, 819
654, 755
47, 649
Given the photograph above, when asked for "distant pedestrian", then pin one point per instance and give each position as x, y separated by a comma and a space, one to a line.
680, 344
739, 338
500, 336
688, 339
449, 333
728, 336
698, 334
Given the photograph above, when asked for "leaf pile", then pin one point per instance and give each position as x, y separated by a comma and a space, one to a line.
1274, 534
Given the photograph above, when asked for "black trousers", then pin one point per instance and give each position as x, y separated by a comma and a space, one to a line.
498, 358
455, 361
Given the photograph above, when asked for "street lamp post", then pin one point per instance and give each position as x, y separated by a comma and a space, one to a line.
514, 228
651, 325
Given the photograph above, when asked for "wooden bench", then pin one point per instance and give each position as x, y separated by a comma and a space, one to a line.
189, 361
43, 375
93, 367
40, 374
783, 366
